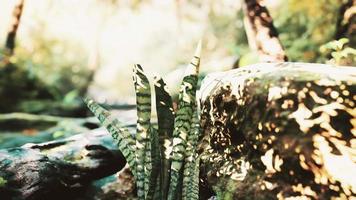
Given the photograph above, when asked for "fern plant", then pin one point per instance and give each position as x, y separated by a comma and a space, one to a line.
164, 161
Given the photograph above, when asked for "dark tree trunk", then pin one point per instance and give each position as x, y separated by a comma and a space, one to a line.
11, 35
345, 24
261, 33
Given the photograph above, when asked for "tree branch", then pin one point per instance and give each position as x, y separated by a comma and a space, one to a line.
261, 33
344, 20
11, 35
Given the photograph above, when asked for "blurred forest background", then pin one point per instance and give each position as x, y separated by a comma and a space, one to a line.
66, 49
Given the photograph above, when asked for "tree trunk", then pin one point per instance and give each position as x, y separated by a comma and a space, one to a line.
261, 33
11, 35
345, 24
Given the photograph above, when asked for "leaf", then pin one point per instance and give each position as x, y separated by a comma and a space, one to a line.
165, 117
121, 135
154, 187
2, 182
70, 97
183, 121
191, 163
143, 145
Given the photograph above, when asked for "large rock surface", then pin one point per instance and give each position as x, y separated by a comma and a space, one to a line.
59, 169
277, 131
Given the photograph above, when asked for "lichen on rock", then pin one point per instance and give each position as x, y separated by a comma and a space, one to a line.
273, 131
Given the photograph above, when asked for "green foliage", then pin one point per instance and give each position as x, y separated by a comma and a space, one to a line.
2, 182
16, 84
57, 63
51, 69
226, 26
341, 54
164, 161
304, 26
248, 59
